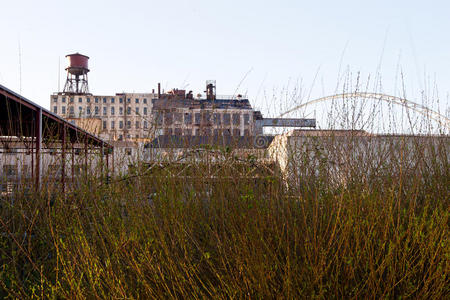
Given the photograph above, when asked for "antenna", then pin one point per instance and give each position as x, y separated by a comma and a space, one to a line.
20, 68
59, 73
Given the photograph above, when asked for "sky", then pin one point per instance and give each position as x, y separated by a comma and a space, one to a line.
265, 49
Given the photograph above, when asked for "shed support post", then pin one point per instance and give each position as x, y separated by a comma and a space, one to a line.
113, 167
73, 166
107, 163
38, 141
101, 161
86, 158
63, 157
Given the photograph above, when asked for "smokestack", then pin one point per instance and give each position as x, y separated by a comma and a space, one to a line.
159, 90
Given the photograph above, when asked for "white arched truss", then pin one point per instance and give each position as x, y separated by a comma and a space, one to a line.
444, 121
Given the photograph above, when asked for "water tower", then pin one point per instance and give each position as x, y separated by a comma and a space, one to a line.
77, 79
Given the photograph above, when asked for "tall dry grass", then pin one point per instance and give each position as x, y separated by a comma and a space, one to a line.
344, 220
159, 235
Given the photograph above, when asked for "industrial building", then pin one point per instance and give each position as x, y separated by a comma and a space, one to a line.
143, 117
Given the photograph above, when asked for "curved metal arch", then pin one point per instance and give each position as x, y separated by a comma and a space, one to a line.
383, 97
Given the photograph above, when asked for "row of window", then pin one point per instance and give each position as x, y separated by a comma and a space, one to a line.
205, 131
121, 124
98, 100
53, 169
128, 151
204, 118
96, 111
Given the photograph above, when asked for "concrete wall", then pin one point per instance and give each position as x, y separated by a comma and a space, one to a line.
343, 156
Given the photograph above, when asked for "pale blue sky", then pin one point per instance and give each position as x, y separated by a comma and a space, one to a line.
267, 45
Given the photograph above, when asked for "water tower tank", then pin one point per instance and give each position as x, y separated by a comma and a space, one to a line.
77, 64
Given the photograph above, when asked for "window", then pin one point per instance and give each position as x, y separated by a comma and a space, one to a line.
80, 100
120, 100
137, 110
145, 110
104, 110
168, 118
104, 125
120, 110
137, 136
10, 170
71, 99
104, 100
128, 151
64, 99
128, 100
55, 109
80, 111
63, 110
55, 100
236, 119
197, 118
137, 100
187, 118
246, 119
226, 119
88, 100
96, 100
178, 118
120, 137
216, 119
88, 111
137, 124
145, 124
145, 100
246, 132
112, 124
216, 132
207, 131
112, 100
128, 110
158, 117
236, 132
128, 124
96, 110
112, 111
187, 131
71, 110
206, 117
178, 131
121, 124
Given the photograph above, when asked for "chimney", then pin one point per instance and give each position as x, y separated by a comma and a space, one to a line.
159, 90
